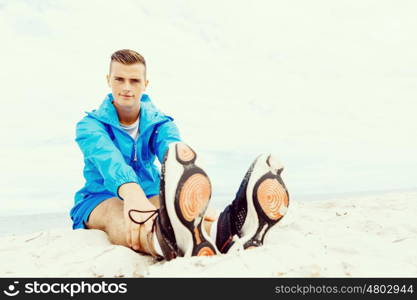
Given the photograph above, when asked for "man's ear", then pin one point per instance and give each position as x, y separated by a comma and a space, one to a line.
146, 83
108, 80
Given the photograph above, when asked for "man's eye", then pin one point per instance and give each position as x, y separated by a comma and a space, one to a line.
119, 79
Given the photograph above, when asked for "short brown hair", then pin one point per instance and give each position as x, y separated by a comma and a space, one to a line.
127, 57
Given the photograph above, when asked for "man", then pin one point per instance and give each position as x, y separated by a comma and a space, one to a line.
163, 215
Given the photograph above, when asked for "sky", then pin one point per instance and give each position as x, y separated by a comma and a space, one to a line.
329, 86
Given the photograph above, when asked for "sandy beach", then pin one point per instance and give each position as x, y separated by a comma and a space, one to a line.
366, 236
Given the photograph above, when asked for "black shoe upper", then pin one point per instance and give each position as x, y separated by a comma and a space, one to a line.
231, 220
233, 217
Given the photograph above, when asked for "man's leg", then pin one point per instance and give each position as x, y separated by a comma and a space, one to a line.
108, 217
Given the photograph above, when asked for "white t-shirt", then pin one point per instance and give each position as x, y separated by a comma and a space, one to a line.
132, 130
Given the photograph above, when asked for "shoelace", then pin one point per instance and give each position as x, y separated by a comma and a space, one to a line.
153, 211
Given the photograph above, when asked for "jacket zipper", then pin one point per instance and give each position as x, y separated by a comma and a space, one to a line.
135, 157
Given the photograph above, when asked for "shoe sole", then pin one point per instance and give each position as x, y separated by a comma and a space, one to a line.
187, 194
267, 200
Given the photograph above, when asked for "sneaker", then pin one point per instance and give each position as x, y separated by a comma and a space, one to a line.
185, 192
260, 203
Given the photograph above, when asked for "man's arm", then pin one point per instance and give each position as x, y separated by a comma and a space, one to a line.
165, 134
97, 147
135, 198
119, 177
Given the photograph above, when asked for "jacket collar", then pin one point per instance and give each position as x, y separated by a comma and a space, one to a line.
148, 113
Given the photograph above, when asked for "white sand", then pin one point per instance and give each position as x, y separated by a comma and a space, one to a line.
372, 236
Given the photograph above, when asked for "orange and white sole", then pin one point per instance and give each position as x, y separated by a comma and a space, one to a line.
187, 194
267, 200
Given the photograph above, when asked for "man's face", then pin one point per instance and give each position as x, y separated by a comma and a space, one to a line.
127, 83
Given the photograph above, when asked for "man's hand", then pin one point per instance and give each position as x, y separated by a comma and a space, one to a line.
135, 198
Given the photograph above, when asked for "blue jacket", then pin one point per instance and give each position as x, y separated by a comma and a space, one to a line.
112, 157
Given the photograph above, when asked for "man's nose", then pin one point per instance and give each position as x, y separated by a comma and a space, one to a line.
127, 87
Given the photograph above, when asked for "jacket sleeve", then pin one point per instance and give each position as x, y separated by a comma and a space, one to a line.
165, 134
98, 148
